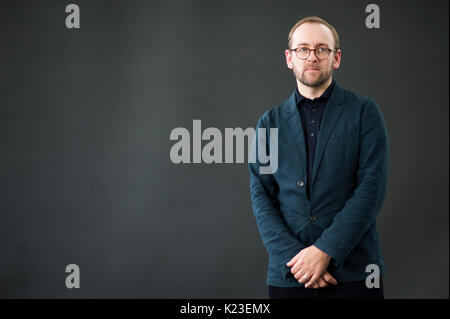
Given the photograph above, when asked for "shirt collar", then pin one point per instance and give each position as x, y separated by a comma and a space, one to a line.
326, 94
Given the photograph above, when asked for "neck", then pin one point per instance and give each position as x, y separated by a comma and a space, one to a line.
313, 92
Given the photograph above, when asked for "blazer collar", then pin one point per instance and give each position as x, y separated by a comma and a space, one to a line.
325, 95
337, 98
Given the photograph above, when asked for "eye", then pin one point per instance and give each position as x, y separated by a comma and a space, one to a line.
303, 50
323, 49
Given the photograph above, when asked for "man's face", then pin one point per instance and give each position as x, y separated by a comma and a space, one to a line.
312, 72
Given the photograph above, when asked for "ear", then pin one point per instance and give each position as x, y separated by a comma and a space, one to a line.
288, 55
337, 59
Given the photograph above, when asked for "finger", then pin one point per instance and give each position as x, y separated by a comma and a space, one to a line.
296, 258
315, 285
293, 260
302, 277
328, 278
321, 282
312, 280
297, 267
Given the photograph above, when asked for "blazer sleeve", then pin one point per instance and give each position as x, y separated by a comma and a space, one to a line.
360, 211
280, 243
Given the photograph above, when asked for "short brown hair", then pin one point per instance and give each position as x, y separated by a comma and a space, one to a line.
313, 19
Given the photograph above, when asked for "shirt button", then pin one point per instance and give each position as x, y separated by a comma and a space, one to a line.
300, 183
312, 134
312, 218
314, 110
312, 122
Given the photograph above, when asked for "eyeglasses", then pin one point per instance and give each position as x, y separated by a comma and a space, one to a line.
303, 53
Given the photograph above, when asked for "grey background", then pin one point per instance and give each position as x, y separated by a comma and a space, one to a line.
85, 118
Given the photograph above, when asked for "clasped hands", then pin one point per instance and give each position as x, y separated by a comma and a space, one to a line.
309, 267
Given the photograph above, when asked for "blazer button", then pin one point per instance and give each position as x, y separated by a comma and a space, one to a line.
300, 183
312, 218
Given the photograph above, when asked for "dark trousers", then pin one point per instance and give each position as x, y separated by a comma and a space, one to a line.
343, 290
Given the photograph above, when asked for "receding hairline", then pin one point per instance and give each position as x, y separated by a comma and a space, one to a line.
314, 20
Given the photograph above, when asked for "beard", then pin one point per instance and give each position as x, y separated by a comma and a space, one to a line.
323, 77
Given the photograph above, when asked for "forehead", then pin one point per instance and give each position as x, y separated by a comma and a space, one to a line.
312, 34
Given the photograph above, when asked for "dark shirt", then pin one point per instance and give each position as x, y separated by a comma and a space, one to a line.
311, 112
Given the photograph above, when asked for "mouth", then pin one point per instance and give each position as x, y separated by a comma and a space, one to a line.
311, 69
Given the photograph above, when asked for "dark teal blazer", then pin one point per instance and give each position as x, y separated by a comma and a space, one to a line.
348, 188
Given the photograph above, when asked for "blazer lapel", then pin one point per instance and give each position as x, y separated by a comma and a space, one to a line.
331, 115
292, 117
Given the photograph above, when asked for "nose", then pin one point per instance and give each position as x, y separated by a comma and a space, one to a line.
312, 56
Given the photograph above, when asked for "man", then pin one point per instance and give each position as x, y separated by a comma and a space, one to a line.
317, 212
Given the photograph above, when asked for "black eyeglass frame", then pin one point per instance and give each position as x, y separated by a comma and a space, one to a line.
315, 53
